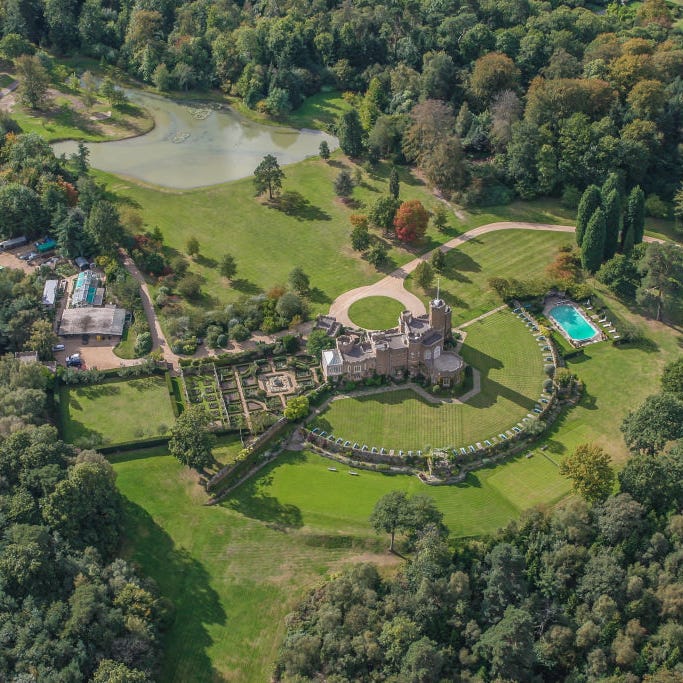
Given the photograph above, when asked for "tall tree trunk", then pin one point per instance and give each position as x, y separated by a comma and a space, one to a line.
391, 545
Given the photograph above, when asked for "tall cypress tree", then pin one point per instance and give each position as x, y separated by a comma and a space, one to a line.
613, 182
394, 184
350, 134
590, 201
628, 239
612, 208
593, 244
634, 216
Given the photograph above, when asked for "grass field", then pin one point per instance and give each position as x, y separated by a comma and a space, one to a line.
376, 312
268, 243
235, 570
520, 254
501, 347
116, 412
232, 577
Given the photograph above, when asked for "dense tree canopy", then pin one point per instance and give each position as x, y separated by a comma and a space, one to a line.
548, 97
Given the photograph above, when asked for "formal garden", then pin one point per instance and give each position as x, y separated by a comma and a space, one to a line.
250, 395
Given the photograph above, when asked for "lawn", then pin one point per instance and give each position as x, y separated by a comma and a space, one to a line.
520, 254
376, 312
232, 577
235, 570
299, 489
511, 365
268, 243
116, 412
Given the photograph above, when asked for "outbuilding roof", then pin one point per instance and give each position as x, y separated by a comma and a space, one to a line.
91, 320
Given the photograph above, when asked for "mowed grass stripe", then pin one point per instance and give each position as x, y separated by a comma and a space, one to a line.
501, 348
519, 254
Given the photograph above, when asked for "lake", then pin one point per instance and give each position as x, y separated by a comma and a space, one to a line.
193, 145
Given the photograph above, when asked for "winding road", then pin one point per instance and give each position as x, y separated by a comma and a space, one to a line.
392, 285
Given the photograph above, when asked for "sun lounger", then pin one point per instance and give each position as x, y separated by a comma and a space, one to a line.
374, 450
347, 444
332, 469
537, 410
502, 437
356, 445
488, 443
544, 400
607, 324
323, 433
353, 474
316, 430
471, 449
516, 430
479, 446
463, 451
617, 336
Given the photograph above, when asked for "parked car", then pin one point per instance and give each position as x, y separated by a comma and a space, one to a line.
74, 356
74, 363
58, 347
32, 256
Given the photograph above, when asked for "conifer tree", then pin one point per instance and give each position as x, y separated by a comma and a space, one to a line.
612, 208
593, 243
590, 201
634, 216
394, 184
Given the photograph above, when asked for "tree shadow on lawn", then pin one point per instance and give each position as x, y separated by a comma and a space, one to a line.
316, 295
205, 261
96, 391
251, 499
458, 262
245, 286
293, 203
186, 583
555, 447
490, 388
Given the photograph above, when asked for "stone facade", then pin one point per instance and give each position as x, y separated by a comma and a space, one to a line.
415, 347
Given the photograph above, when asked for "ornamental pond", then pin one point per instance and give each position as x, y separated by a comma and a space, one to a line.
197, 144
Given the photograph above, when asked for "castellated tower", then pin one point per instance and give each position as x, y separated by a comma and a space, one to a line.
440, 317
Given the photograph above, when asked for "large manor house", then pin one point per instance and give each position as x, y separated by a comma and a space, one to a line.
415, 347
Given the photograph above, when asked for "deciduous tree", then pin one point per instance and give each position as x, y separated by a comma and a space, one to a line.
297, 408
424, 275
411, 220
191, 440
34, 81
228, 266
656, 422
589, 469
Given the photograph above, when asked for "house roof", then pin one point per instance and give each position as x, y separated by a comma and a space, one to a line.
90, 320
50, 292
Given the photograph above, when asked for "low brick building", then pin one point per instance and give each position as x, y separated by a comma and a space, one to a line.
415, 347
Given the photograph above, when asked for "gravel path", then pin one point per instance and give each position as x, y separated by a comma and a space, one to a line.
158, 339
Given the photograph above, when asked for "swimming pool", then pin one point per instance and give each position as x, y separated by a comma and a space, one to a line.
573, 322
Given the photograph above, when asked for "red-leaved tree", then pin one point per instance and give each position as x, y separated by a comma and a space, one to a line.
411, 220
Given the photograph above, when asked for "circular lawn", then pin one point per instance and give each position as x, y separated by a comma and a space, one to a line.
376, 312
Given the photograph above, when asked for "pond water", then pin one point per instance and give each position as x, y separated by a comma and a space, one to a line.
193, 145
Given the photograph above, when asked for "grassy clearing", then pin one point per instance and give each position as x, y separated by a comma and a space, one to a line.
231, 577
510, 362
376, 312
234, 571
116, 412
520, 254
267, 243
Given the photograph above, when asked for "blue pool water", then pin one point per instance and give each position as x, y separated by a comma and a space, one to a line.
573, 322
